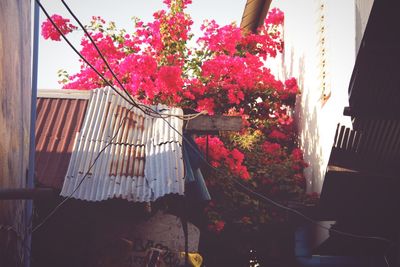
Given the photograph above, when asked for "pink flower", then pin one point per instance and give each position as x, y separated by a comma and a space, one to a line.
244, 174
206, 104
290, 90
218, 154
221, 39
297, 154
170, 82
275, 17
50, 32
217, 226
271, 148
277, 135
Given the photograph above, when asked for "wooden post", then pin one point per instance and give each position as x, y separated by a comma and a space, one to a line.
15, 105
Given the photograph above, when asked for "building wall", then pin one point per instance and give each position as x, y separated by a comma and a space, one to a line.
363, 8
15, 99
320, 51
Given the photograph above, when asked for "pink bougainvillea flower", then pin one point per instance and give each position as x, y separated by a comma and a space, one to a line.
206, 104
275, 17
50, 32
273, 149
217, 226
278, 135
297, 154
218, 154
225, 74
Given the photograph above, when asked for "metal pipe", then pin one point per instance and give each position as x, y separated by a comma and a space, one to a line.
31, 169
26, 193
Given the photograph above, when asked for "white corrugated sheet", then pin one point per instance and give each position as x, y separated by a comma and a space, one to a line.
143, 162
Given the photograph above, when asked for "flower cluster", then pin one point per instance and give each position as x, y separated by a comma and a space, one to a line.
218, 154
50, 32
224, 74
216, 226
275, 17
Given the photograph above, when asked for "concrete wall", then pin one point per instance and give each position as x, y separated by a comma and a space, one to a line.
15, 99
320, 51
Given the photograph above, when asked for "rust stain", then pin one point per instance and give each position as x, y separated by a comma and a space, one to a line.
127, 150
57, 124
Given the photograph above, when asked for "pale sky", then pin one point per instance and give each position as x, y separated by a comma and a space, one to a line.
58, 55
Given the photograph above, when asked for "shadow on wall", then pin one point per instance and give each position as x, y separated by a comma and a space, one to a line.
307, 119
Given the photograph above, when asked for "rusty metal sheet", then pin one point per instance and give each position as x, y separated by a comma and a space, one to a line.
142, 163
57, 124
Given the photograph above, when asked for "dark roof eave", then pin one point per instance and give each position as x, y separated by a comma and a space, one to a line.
254, 14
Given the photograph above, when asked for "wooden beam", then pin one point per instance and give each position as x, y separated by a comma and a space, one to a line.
25, 193
254, 14
334, 168
64, 93
213, 124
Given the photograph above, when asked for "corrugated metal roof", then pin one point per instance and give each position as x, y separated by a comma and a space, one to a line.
254, 14
143, 162
57, 123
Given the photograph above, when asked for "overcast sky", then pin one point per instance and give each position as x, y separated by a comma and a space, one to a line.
57, 55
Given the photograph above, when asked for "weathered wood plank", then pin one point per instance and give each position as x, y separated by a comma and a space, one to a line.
254, 14
15, 107
64, 93
333, 168
216, 123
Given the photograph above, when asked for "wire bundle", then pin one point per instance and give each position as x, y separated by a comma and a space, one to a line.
153, 113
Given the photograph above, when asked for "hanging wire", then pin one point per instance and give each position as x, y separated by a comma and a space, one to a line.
98, 51
234, 179
81, 56
84, 177
148, 109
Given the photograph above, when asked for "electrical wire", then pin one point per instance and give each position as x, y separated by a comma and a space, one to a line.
97, 49
130, 101
84, 177
81, 56
283, 207
144, 108
158, 115
140, 106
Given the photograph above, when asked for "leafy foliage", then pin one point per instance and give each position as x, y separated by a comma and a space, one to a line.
225, 74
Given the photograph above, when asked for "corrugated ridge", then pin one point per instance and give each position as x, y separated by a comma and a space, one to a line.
143, 162
57, 124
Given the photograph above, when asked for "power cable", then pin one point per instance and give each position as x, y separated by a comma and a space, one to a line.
81, 56
98, 50
144, 108
281, 206
130, 101
158, 115
246, 188
140, 106
84, 177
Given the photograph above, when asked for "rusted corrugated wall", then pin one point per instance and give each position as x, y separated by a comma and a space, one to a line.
15, 99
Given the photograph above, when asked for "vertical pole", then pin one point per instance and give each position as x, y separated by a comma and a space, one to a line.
31, 170
207, 148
